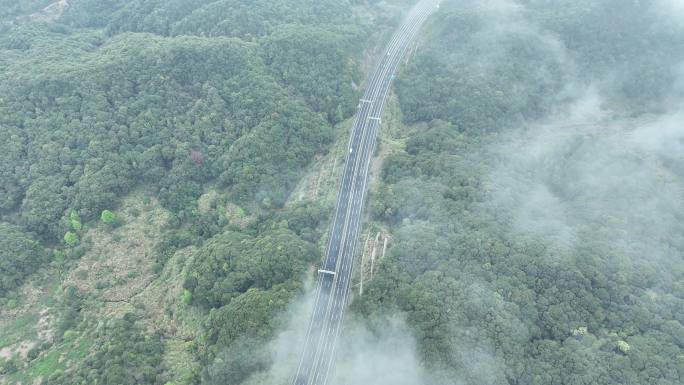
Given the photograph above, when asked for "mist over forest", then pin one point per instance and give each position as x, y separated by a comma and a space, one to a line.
169, 169
538, 211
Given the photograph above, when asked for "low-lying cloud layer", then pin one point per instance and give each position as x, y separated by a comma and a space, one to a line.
365, 355
583, 174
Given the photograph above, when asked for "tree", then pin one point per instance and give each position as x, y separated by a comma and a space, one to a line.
623, 347
187, 297
71, 239
75, 221
108, 217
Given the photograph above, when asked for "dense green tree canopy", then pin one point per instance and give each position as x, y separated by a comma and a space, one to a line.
489, 67
232, 263
170, 99
20, 255
125, 354
516, 256
109, 113
533, 256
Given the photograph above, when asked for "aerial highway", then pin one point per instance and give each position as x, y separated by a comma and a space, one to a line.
317, 359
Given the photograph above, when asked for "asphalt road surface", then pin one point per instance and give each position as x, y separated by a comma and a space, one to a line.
318, 356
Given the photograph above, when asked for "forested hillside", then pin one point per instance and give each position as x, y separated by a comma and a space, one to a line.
537, 204
168, 171
147, 152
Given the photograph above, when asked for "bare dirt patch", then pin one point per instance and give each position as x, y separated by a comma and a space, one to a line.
44, 327
6, 353
21, 349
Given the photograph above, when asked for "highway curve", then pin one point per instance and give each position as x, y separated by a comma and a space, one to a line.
317, 359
